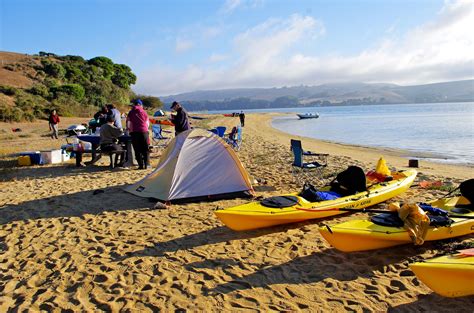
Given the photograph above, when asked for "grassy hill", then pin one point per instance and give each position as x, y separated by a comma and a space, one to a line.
327, 94
32, 85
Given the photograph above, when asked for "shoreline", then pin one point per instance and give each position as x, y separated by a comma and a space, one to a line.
408, 154
394, 157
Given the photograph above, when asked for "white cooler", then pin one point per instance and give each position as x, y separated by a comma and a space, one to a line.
51, 157
65, 156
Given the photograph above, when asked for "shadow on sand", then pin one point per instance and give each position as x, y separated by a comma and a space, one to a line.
38, 172
426, 302
312, 268
207, 237
74, 204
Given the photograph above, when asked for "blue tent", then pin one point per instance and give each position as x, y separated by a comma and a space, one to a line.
159, 113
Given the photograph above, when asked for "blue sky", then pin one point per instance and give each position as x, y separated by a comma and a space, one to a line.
178, 46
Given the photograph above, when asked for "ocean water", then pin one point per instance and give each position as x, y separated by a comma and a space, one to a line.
442, 132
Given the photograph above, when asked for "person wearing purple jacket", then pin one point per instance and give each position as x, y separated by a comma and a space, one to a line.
137, 125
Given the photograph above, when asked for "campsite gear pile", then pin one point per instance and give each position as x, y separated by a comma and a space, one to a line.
415, 221
42, 157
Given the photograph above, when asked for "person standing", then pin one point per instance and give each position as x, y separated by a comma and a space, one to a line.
137, 125
242, 118
54, 124
181, 119
113, 111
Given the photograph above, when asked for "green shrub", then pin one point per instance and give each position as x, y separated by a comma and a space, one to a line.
71, 85
74, 90
72, 58
54, 69
10, 67
8, 90
151, 102
46, 54
74, 74
123, 76
104, 64
40, 90
10, 114
51, 82
65, 105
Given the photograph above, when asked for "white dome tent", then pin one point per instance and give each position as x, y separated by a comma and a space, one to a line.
196, 165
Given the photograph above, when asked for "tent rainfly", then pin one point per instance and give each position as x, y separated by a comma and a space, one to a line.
196, 165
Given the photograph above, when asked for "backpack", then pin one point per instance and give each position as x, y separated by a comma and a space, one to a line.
312, 194
467, 189
350, 181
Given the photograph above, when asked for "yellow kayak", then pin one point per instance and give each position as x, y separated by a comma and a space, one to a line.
361, 235
254, 215
448, 276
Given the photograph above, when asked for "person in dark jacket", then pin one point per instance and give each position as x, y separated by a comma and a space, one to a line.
109, 134
180, 120
242, 118
99, 119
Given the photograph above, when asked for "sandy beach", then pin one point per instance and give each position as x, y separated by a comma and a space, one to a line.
72, 240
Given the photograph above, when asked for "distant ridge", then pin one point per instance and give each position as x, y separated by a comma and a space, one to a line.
351, 93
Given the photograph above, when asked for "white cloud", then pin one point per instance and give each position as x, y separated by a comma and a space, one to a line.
216, 57
211, 32
183, 45
231, 5
267, 55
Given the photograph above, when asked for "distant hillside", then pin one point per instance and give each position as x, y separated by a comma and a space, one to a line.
327, 94
32, 85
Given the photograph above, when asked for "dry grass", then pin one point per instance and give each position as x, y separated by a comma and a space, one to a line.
32, 137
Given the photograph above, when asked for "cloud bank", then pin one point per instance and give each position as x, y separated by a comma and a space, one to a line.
267, 55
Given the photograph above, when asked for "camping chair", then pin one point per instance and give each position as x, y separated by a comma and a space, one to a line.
157, 136
235, 138
300, 166
221, 130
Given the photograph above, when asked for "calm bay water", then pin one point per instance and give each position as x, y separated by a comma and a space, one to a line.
442, 132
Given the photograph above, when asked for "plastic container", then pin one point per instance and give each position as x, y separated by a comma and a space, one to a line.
35, 157
65, 156
87, 145
24, 160
51, 157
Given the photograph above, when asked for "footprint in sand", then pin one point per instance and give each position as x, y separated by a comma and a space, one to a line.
397, 286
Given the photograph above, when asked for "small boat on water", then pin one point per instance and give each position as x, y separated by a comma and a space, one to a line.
307, 115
